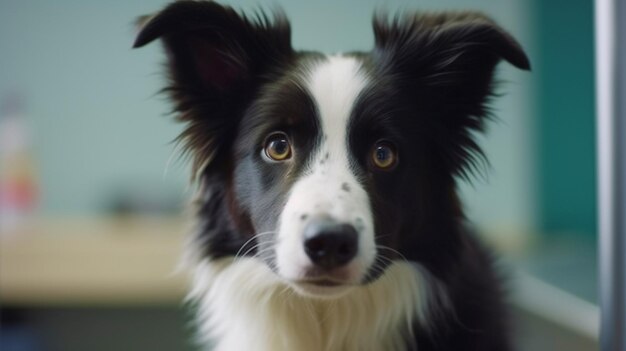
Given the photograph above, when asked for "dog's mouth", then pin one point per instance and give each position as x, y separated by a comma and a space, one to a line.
321, 282
318, 284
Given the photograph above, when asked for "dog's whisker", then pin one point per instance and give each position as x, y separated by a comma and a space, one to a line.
254, 237
378, 268
384, 259
383, 247
257, 254
382, 236
245, 254
264, 250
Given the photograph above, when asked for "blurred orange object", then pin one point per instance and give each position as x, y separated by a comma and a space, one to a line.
18, 189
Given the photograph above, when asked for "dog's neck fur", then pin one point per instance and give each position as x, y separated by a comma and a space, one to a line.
244, 306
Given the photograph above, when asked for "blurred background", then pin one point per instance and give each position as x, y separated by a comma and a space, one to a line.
91, 189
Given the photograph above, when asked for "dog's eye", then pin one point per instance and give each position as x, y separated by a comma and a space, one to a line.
277, 147
384, 156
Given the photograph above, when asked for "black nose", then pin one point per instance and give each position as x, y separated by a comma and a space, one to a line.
330, 244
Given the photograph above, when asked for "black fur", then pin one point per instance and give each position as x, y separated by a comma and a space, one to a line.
234, 79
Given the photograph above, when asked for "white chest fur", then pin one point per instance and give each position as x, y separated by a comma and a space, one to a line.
244, 306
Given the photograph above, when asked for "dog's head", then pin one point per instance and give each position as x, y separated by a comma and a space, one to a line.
328, 168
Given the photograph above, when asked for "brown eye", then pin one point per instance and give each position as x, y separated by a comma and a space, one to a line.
277, 147
384, 155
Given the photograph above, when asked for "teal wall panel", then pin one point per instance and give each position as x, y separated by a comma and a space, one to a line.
565, 118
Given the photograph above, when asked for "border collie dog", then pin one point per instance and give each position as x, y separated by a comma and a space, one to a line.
327, 213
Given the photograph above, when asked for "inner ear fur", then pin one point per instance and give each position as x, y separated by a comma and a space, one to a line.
449, 34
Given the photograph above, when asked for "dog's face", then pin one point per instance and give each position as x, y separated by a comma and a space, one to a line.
301, 181
328, 168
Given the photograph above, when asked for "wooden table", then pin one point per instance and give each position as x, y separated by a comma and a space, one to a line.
97, 261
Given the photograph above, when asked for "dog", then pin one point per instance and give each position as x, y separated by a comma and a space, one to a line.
326, 213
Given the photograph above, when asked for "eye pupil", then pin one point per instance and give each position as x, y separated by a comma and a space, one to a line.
280, 146
382, 153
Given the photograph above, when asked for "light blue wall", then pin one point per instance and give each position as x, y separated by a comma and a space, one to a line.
89, 98
98, 123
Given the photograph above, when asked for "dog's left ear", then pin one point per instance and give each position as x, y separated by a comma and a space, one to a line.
446, 62
461, 45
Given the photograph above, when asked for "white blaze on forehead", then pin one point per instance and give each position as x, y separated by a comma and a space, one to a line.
330, 187
335, 85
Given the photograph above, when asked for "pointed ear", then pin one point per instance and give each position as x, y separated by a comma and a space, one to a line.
452, 46
212, 48
447, 63
216, 59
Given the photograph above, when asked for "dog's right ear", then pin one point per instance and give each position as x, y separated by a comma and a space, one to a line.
216, 58
212, 47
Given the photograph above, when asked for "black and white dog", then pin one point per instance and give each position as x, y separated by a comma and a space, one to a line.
327, 208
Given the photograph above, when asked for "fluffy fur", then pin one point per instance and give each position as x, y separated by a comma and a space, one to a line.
363, 319
414, 277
